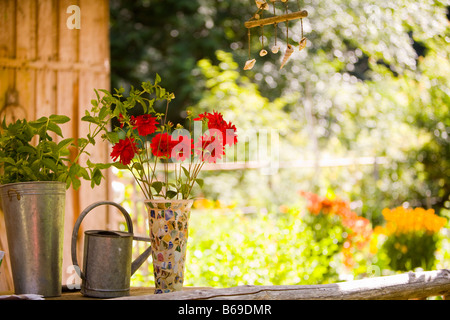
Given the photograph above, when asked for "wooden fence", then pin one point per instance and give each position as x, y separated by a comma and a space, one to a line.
49, 66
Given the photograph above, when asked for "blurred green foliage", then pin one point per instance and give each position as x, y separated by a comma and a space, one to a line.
372, 82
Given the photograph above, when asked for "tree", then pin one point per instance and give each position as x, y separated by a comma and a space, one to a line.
366, 85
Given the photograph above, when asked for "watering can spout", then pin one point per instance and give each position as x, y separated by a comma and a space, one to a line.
141, 259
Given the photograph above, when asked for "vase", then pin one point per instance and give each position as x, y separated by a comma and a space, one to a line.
169, 229
34, 219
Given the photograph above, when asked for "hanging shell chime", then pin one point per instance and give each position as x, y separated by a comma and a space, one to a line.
258, 21
263, 51
302, 43
249, 64
287, 54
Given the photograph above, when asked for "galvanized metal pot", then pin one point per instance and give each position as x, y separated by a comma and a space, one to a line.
169, 229
34, 218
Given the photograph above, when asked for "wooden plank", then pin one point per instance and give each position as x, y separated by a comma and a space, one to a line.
67, 38
43, 58
93, 41
7, 27
46, 51
411, 285
26, 20
6, 282
7, 49
54, 65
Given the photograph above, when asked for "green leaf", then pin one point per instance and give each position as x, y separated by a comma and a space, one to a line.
8, 160
59, 118
186, 172
112, 137
89, 119
97, 176
137, 166
200, 182
171, 194
157, 79
74, 169
26, 149
55, 128
68, 182
103, 166
40, 120
103, 113
49, 163
83, 173
184, 190
106, 92
157, 185
64, 143
120, 166
76, 183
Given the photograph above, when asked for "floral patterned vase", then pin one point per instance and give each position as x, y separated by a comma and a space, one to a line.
169, 226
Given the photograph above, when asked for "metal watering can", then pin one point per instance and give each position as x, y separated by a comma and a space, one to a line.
107, 266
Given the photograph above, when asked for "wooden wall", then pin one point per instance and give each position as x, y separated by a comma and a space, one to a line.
55, 69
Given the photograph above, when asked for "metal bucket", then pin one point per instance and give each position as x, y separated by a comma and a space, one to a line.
34, 218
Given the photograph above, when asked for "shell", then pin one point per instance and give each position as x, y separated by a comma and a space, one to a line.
302, 44
287, 54
261, 4
249, 64
263, 52
275, 49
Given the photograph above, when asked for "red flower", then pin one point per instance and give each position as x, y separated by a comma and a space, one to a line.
210, 148
145, 124
215, 121
125, 149
162, 145
182, 150
230, 134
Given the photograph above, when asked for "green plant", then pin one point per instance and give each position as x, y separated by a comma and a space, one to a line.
28, 152
143, 143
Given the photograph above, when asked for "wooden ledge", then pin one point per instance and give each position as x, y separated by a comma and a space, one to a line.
411, 285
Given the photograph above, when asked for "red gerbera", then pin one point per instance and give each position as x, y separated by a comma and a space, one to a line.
210, 148
215, 121
162, 145
182, 148
145, 124
125, 149
230, 134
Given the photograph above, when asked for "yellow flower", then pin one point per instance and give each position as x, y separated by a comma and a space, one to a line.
402, 220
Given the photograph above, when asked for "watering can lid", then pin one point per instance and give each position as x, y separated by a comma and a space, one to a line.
106, 233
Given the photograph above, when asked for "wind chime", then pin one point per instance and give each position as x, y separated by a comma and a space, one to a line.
257, 20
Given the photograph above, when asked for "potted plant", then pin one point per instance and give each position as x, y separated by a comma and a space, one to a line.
165, 160
35, 173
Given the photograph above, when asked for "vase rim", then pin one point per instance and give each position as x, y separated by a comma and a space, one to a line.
167, 200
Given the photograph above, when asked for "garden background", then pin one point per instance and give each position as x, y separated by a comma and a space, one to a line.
361, 117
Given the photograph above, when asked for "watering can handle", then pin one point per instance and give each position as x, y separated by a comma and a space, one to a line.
77, 227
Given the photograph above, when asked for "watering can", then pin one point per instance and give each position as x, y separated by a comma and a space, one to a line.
107, 266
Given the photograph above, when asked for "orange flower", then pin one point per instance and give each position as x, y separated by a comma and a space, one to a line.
359, 228
402, 220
